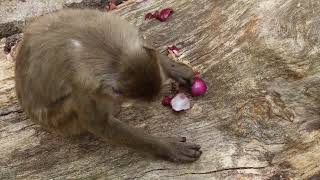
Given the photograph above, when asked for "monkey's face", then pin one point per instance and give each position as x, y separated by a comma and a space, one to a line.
140, 77
139, 85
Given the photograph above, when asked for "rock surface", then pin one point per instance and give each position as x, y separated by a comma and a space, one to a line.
14, 14
258, 120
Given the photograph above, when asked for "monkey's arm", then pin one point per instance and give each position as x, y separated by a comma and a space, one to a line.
175, 149
96, 118
177, 71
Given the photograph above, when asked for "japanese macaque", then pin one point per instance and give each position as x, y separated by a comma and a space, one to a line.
74, 68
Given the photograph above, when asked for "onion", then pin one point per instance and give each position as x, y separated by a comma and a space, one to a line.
174, 50
166, 100
148, 16
110, 6
199, 87
180, 102
164, 14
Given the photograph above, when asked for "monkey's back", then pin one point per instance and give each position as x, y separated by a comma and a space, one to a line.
67, 51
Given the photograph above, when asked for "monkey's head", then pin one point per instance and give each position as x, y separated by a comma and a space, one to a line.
141, 76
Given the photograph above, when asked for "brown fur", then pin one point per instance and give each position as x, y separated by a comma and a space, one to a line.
71, 67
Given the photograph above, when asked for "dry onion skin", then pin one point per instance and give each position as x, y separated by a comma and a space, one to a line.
161, 15
166, 100
173, 50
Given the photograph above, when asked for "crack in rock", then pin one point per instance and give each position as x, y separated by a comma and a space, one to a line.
207, 172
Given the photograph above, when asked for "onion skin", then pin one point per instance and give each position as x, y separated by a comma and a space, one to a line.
164, 14
110, 6
161, 15
180, 102
166, 101
148, 16
199, 87
174, 50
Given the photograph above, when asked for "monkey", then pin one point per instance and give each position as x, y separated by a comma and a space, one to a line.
73, 68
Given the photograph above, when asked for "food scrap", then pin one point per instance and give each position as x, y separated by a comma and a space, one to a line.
110, 6
173, 50
180, 102
161, 15
166, 100
148, 16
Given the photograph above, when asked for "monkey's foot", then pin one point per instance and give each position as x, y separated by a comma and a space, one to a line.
177, 149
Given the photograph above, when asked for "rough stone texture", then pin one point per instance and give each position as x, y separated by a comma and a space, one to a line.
259, 119
14, 13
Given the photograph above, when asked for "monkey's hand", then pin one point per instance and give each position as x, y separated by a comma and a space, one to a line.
178, 150
180, 72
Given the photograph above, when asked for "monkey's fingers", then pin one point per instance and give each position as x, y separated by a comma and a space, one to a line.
184, 76
186, 152
186, 159
185, 83
182, 82
178, 151
191, 153
194, 146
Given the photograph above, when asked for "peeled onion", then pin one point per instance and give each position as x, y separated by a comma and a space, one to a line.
199, 87
180, 102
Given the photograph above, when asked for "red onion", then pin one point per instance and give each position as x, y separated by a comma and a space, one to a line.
164, 14
148, 16
166, 100
156, 14
161, 15
174, 50
110, 6
199, 87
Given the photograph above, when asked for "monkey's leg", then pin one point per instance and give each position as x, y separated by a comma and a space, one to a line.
98, 121
177, 71
175, 149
